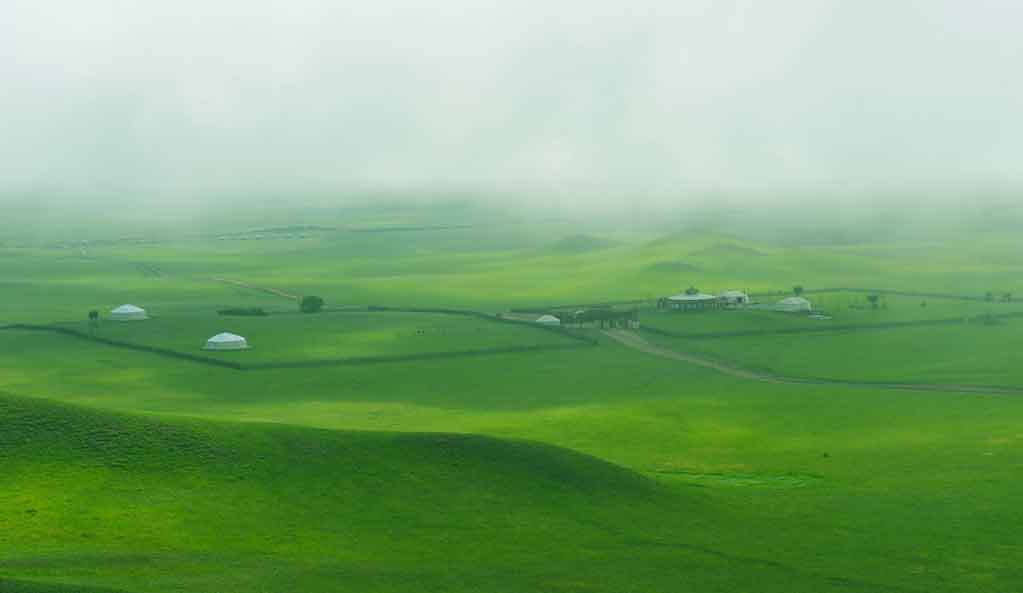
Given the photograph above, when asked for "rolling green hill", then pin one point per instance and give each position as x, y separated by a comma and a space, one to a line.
596, 469
97, 502
126, 501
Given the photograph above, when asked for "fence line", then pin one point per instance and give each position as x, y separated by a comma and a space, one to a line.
826, 328
366, 360
127, 345
581, 342
882, 291
577, 306
769, 293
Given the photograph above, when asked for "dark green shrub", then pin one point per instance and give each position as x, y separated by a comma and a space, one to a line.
311, 304
244, 312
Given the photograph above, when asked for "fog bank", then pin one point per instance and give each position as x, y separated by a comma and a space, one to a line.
594, 101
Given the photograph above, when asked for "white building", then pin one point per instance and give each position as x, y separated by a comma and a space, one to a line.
548, 320
794, 304
128, 313
226, 341
734, 298
686, 302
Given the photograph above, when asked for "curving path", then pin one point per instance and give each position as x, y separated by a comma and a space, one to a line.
267, 290
636, 342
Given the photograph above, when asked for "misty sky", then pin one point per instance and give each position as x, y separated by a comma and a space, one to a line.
583, 97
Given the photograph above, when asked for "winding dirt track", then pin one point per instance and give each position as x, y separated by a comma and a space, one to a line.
267, 290
636, 342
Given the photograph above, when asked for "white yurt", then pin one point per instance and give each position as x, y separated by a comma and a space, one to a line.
226, 341
548, 320
128, 313
794, 304
687, 302
734, 298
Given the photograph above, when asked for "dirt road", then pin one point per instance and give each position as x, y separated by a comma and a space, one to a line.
636, 342
241, 284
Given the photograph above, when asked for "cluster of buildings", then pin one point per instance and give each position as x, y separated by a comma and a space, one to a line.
221, 341
694, 300
688, 300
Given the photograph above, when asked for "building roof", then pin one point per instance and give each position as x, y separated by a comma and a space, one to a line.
734, 294
692, 298
548, 319
794, 300
128, 309
226, 337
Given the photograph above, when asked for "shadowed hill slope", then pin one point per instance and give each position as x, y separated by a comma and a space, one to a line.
9, 586
47, 432
131, 503
153, 501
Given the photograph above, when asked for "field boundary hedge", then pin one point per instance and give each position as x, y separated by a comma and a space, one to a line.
487, 317
577, 306
580, 341
883, 291
887, 291
826, 328
364, 360
64, 331
769, 293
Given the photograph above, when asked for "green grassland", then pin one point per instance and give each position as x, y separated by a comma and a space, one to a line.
590, 469
967, 353
327, 336
962, 347
842, 309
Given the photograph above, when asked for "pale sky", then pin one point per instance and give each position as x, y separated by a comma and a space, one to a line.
662, 99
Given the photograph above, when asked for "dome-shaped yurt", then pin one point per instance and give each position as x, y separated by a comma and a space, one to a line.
794, 305
226, 341
128, 313
548, 320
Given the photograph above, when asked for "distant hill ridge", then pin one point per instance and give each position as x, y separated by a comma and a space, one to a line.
578, 244
728, 249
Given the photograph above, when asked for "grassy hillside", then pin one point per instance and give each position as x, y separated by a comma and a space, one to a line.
794, 488
17, 586
586, 470
467, 267
93, 498
287, 337
973, 353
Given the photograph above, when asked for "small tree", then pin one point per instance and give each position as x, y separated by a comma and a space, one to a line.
311, 304
93, 322
1007, 297
797, 290
989, 296
692, 290
873, 299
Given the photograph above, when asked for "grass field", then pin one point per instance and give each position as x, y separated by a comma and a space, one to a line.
973, 353
327, 336
592, 469
842, 309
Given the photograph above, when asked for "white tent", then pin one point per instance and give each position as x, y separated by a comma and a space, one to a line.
226, 341
686, 302
128, 313
734, 297
548, 320
794, 305
692, 298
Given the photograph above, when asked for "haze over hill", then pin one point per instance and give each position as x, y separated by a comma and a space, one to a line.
597, 103
575, 296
